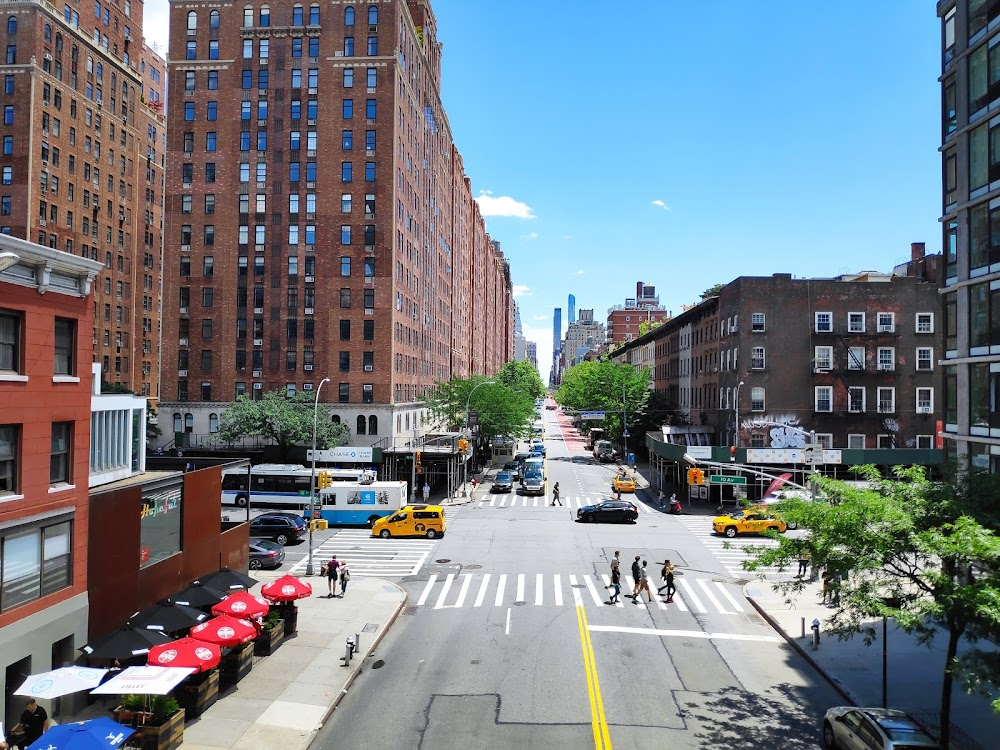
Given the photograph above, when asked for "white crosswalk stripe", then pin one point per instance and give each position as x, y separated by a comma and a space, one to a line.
452, 591
545, 503
731, 552
371, 556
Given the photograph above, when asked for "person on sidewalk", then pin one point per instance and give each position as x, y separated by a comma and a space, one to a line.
659, 498
803, 565
32, 723
345, 576
555, 496
332, 569
636, 575
826, 586
616, 585
427, 492
643, 584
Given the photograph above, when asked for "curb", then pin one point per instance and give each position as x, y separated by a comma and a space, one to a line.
794, 643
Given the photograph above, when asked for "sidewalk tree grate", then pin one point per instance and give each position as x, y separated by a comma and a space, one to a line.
409, 610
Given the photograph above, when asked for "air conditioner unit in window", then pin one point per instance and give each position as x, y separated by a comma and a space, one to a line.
821, 370
182, 342
884, 366
258, 386
182, 373
923, 410
257, 374
886, 328
307, 368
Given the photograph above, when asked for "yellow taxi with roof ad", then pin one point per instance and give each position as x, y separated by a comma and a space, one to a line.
412, 520
749, 521
622, 483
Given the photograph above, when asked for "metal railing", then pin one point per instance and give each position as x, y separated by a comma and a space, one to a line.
960, 740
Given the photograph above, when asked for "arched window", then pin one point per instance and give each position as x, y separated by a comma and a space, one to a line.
47, 32
247, 16
361, 425
213, 422
178, 424
213, 19
349, 15
297, 16
265, 15
12, 25
372, 15
373, 425
335, 419
314, 15
192, 25
188, 422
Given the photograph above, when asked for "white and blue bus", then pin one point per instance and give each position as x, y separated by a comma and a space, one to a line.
281, 484
347, 504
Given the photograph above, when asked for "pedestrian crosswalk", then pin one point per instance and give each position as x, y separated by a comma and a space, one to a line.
473, 590
372, 556
536, 501
731, 552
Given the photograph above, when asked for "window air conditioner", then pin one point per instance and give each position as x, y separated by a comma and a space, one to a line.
923, 410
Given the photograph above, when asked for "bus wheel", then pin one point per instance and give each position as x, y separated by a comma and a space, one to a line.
241, 501
371, 521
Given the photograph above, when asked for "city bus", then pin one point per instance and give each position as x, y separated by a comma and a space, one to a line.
281, 484
348, 504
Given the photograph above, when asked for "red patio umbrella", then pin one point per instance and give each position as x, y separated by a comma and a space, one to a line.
225, 631
185, 652
242, 604
288, 588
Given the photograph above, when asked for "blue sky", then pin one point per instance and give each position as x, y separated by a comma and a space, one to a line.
686, 144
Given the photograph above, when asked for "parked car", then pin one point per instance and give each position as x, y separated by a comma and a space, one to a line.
747, 522
265, 554
608, 511
550, 407
503, 482
281, 527
848, 727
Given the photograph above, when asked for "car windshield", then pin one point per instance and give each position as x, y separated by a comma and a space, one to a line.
266, 545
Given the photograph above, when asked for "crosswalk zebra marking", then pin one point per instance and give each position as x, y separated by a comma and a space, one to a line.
577, 599
427, 590
482, 590
444, 590
593, 591
711, 597
520, 588
732, 600
689, 591
501, 584
558, 589
511, 501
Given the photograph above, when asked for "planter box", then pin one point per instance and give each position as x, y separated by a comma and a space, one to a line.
167, 736
236, 664
268, 641
130, 718
197, 693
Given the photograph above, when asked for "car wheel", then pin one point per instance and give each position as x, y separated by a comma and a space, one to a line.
385, 533
793, 525
242, 501
281, 539
371, 521
828, 738
730, 531
255, 564
589, 518
431, 534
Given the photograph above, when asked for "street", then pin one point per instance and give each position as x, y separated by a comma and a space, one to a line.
508, 639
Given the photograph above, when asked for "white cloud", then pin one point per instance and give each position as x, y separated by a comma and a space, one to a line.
539, 317
520, 290
661, 204
581, 272
503, 205
530, 236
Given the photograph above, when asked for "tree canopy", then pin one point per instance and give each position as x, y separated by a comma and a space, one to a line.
910, 550
285, 420
712, 291
605, 386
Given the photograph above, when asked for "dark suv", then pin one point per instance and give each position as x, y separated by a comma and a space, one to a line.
281, 527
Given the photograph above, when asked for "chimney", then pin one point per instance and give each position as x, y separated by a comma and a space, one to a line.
916, 250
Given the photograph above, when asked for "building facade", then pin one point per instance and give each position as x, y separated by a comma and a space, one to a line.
45, 391
624, 321
555, 376
82, 164
329, 230
583, 336
970, 218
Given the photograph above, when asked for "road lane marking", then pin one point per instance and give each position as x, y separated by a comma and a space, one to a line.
503, 501
482, 590
593, 591
685, 634
725, 592
493, 501
427, 590
689, 590
508, 620
444, 591
598, 722
520, 588
538, 589
577, 599
711, 596
466, 580
501, 583
557, 584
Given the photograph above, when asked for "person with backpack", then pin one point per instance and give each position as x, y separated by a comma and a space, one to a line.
667, 574
345, 576
636, 577
332, 572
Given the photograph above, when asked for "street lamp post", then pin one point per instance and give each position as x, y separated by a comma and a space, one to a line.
736, 442
468, 401
312, 480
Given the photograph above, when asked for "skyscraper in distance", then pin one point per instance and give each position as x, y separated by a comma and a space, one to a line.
556, 339
571, 310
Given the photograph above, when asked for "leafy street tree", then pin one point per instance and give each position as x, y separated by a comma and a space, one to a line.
286, 421
521, 376
912, 551
504, 406
600, 386
712, 291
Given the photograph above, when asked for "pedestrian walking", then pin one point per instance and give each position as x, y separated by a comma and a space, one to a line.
826, 586
616, 585
427, 492
667, 576
332, 573
636, 575
618, 492
643, 584
555, 495
659, 498
345, 576
616, 561
803, 565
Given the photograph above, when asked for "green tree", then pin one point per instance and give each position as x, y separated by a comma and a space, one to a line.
521, 376
905, 548
607, 386
286, 421
501, 408
712, 291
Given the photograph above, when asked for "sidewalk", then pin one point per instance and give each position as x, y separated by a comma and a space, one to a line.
287, 696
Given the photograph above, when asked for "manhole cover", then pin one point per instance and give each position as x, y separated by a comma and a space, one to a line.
519, 604
474, 661
443, 560
371, 627
378, 664
472, 567
409, 610
720, 580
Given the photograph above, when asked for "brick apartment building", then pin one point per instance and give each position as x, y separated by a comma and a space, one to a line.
624, 320
853, 358
82, 164
323, 226
45, 399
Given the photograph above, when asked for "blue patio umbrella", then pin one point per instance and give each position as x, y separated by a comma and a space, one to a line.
96, 734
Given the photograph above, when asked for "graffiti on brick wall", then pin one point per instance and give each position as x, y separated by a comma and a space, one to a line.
782, 430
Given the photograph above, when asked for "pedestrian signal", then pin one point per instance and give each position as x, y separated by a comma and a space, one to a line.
463, 445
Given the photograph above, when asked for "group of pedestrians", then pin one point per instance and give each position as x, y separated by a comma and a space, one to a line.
640, 578
337, 570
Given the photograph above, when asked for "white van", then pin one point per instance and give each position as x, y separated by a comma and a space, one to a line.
360, 504
529, 464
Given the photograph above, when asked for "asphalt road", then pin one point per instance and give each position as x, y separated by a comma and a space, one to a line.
508, 642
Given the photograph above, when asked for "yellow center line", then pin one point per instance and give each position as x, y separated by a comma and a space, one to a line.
599, 724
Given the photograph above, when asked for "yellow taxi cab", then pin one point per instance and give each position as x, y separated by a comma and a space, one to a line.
623, 483
748, 522
412, 520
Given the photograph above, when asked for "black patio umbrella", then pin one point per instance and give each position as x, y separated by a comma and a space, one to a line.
167, 616
199, 595
227, 580
125, 643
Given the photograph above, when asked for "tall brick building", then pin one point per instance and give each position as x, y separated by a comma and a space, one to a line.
624, 320
82, 164
320, 223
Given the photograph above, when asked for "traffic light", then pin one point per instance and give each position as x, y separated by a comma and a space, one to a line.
692, 476
463, 445
325, 480
732, 453
701, 476
416, 463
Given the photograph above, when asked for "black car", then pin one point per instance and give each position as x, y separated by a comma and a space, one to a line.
608, 510
265, 554
281, 527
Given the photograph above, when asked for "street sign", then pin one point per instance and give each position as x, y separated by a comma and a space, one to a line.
591, 415
726, 479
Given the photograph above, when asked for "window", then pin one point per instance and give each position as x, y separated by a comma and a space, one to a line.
925, 400
369, 330
345, 263
348, 46
206, 329
344, 393
886, 400
373, 425
925, 442
856, 441
349, 16
314, 15
348, 109
9, 455
855, 399
886, 322
823, 398
371, 107
65, 335
373, 45
207, 296
35, 562
369, 267
345, 330
824, 322
369, 171
925, 323
345, 297
188, 111
345, 361
756, 399
824, 358
369, 299
60, 460
213, 80
368, 393
206, 390
10, 343
856, 322
210, 141
346, 171
886, 442
886, 358
925, 358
